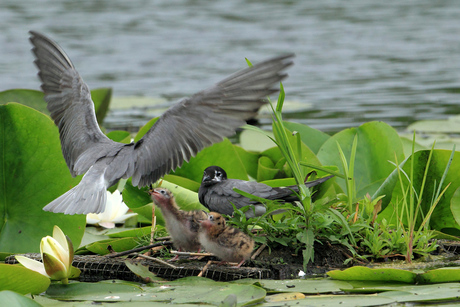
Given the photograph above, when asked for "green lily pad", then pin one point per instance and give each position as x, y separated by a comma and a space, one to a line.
368, 274
249, 160
120, 136
425, 293
378, 143
369, 286
31, 98
442, 275
181, 291
98, 292
338, 300
118, 245
144, 129
203, 290
311, 137
34, 99
10, 298
22, 280
136, 232
32, 174
222, 154
183, 182
255, 141
266, 169
306, 286
451, 125
446, 213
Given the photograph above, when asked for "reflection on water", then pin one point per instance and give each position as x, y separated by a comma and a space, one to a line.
357, 61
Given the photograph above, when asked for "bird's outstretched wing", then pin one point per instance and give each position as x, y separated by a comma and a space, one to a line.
69, 102
206, 118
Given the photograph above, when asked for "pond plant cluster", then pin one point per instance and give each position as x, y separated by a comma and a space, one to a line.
389, 197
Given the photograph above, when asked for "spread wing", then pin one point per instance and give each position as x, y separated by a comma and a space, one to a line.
69, 102
205, 118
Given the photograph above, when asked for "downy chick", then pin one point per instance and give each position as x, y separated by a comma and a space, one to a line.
225, 242
181, 225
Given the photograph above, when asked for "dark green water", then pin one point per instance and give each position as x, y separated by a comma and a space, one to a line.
357, 61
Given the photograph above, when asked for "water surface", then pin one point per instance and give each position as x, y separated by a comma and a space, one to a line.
357, 61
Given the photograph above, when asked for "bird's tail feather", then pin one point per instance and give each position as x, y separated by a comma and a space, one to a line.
82, 199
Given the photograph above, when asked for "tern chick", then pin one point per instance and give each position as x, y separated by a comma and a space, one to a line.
181, 225
225, 242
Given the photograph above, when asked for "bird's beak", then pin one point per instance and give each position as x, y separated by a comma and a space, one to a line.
206, 178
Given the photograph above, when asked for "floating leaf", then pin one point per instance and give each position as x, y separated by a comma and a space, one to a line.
10, 298
451, 274
311, 137
445, 214
203, 290
222, 154
338, 300
120, 136
118, 245
142, 271
22, 280
255, 141
378, 143
32, 173
30, 98
249, 160
307, 286
424, 293
282, 297
368, 274
99, 292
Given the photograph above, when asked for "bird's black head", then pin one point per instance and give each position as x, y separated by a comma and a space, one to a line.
213, 175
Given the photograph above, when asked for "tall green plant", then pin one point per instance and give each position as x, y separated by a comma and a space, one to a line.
410, 212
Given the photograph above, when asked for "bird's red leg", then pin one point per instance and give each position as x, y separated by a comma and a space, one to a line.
175, 257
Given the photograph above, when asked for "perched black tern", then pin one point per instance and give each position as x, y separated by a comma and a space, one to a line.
182, 131
216, 192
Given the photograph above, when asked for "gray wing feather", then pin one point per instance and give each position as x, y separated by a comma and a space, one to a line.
205, 118
69, 102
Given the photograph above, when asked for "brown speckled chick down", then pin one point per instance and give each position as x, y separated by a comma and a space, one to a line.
225, 242
181, 225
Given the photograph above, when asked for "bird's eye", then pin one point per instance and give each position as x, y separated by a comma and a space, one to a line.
218, 174
211, 217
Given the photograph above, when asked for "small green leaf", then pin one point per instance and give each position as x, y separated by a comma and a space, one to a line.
142, 271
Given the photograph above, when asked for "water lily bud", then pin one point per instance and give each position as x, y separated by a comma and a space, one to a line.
57, 255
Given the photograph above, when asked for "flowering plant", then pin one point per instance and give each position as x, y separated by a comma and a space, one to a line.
57, 255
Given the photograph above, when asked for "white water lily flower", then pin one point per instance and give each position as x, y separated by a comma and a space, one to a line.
57, 255
115, 212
